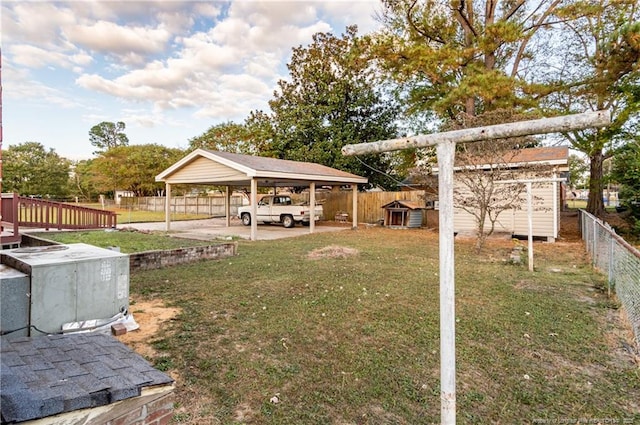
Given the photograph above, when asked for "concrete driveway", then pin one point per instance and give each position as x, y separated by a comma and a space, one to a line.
215, 228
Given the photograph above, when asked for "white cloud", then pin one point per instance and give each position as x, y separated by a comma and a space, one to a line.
37, 57
110, 38
19, 85
159, 64
34, 22
348, 12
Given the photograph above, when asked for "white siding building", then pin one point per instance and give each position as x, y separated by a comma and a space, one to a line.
548, 197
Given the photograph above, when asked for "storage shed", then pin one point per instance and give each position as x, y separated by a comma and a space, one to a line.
403, 214
550, 164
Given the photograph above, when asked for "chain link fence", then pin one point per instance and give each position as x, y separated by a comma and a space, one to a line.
616, 258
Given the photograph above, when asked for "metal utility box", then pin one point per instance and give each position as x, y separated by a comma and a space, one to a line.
72, 283
14, 302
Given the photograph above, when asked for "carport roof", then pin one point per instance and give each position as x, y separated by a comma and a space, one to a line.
204, 166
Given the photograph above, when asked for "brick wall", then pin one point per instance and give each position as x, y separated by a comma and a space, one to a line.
154, 412
150, 260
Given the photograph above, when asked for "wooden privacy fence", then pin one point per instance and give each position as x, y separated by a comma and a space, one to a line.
206, 205
369, 203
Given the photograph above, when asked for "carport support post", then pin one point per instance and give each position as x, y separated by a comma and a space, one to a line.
445, 143
227, 205
167, 207
254, 209
312, 207
354, 206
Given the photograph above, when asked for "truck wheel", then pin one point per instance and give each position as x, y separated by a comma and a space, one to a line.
246, 219
288, 221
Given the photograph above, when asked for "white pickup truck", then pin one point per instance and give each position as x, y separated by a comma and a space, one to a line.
279, 209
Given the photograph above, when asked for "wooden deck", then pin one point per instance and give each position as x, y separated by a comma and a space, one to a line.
21, 211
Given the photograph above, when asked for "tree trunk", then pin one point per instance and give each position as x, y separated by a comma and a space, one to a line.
595, 205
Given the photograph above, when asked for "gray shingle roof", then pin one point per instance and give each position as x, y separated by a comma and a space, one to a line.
48, 375
262, 163
269, 171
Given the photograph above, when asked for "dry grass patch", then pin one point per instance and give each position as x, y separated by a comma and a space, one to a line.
332, 251
150, 315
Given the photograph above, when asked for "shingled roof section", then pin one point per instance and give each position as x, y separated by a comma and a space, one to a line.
403, 203
263, 163
48, 375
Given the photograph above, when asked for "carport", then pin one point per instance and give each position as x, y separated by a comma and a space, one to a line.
231, 170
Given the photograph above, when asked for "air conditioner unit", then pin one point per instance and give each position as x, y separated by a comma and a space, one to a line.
71, 283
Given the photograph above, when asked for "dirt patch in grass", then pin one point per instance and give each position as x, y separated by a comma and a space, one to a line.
332, 251
149, 315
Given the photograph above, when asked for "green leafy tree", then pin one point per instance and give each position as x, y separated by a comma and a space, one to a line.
82, 181
601, 51
626, 172
578, 169
107, 135
246, 138
467, 57
133, 168
29, 169
332, 97
227, 137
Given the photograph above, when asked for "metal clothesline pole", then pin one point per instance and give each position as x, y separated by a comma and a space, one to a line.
445, 145
529, 182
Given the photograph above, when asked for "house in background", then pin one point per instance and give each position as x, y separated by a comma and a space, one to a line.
549, 197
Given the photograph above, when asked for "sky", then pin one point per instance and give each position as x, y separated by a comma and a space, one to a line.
168, 69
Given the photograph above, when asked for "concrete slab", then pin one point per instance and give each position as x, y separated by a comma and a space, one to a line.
216, 228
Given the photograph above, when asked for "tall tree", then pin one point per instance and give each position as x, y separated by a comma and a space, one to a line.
578, 169
107, 135
82, 180
227, 137
133, 168
601, 51
332, 97
626, 172
463, 56
249, 138
29, 169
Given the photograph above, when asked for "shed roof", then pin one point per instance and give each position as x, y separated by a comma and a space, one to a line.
232, 169
412, 205
557, 155
549, 155
48, 375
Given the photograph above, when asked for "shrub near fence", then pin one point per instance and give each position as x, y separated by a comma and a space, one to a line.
620, 261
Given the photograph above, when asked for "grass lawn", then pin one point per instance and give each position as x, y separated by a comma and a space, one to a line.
355, 339
128, 242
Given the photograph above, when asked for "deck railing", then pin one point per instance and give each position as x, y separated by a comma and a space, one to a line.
9, 234
22, 211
